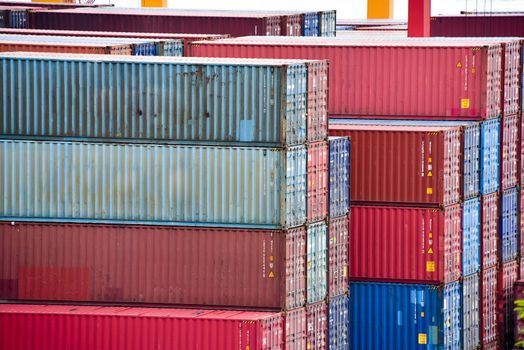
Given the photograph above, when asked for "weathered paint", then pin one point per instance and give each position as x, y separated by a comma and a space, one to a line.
471, 236
316, 263
471, 312
339, 175
490, 156
338, 255
317, 181
317, 326
509, 226
338, 323
489, 243
489, 314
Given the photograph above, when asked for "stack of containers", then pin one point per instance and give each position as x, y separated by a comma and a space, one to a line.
151, 164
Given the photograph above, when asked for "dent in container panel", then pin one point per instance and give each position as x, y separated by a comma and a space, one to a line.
316, 271
338, 253
317, 184
471, 236
317, 326
489, 246
489, 319
471, 312
338, 323
153, 184
510, 152
295, 331
490, 156
510, 275
26, 327
509, 228
339, 175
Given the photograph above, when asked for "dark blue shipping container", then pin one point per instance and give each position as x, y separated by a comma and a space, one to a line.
490, 156
405, 316
338, 323
471, 236
339, 175
310, 25
471, 144
509, 228
145, 49
471, 312
18, 19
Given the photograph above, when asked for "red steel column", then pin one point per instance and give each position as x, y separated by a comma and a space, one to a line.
419, 12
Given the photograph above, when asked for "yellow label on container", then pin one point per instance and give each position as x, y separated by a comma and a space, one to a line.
459, 64
430, 251
345, 271
464, 103
271, 258
430, 174
430, 235
430, 266
430, 159
271, 274
422, 338
429, 190
422, 314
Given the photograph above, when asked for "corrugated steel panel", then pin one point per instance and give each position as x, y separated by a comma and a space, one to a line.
509, 275
510, 157
145, 183
406, 244
317, 104
317, 326
403, 164
26, 327
311, 25
490, 156
338, 323
317, 181
478, 25
378, 79
173, 48
52, 5
388, 316
339, 178
471, 312
327, 23
161, 98
470, 142
471, 236
295, 331
316, 264
99, 49
489, 311
509, 228
489, 250
338, 253
115, 264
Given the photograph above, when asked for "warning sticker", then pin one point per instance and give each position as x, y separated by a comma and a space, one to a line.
429, 190
464, 103
459, 64
271, 274
430, 251
422, 338
430, 266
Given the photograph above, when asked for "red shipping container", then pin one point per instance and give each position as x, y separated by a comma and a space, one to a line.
489, 25
153, 264
420, 245
521, 232
317, 181
510, 155
317, 107
29, 327
490, 251
291, 25
489, 320
404, 164
295, 331
512, 77
510, 274
458, 80
51, 4
519, 322
67, 48
317, 326
338, 256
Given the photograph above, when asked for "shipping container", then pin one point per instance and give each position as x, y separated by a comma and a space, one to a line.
311, 24
161, 98
317, 181
519, 321
510, 153
521, 226
115, 264
339, 179
471, 236
27, 327
317, 326
317, 104
404, 164
51, 5
489, 246
3, 18
377, 79
327, 23
471, 312
405, 316
473, 25
316, 263
15, 16
157, 184
295, 331
65, 48
509, 275
509, 226
338, 253
490, 156
338, 323
470, 141
421, 245
489, 315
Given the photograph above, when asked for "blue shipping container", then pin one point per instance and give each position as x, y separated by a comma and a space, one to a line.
338, 323
405, 316
490, 156
471, 312
310, 25
471, 236
339, 175
317, 263
509, 224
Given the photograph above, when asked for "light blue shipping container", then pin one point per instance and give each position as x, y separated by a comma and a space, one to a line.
157, 98
338, 323
327, 23
154, 184
490, 156
509, 228
471, 312
471, 144
405, 316
316, 270
310, 25
471, 236
339, 175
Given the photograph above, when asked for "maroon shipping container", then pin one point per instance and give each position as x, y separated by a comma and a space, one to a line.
510, 152
478, 25
404, 164
519, 322
419, 245
490, 318
509, 275
79, 48
317, 181
157, 265
338, 256
317, 108
291, 25
235, 23
52, 327
51, 4
317, 326
490, 251
390, 79
295, 331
